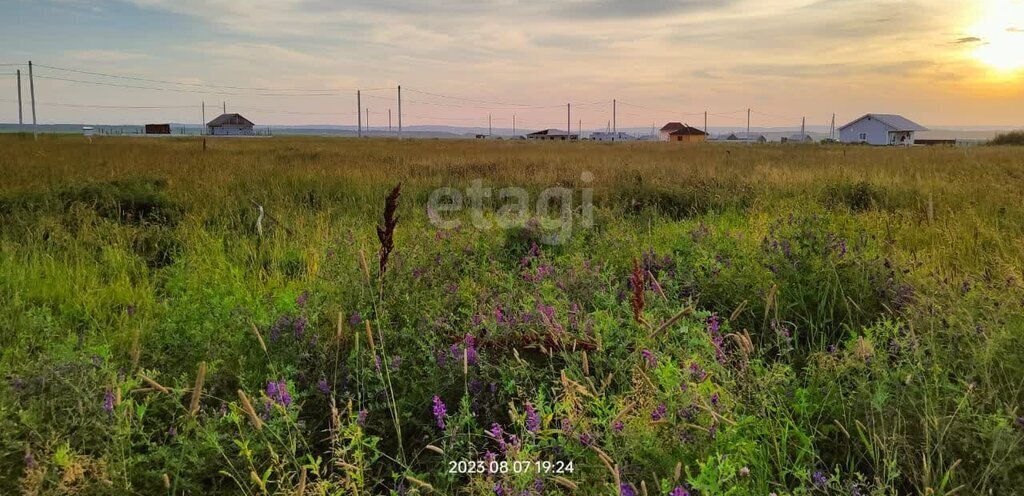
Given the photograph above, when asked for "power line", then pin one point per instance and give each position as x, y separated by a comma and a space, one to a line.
178, 90
74, 105
196, 85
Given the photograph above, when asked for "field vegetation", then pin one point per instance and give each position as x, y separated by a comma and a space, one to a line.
738, 320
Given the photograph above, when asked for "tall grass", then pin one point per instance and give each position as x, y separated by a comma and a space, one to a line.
741, 320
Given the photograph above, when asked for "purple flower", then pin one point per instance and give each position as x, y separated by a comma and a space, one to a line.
376, 362
355, 319
173, 431
618, 426
131, 310
818, 479
649, 357
361, 417
323, 387
658, 413
300, 326
439, 412
499, 490
626, 490
586, 439
714, 400
301, 300
108, 401
278, 391
566, 425
1020, 422
679, 491
470, 342
396, 362
713, 325
30, 460
275, 330
532, 419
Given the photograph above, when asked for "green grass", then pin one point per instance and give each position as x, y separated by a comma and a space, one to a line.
880, 289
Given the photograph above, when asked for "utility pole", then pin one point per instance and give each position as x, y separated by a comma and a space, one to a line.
367, 121
202, 130
748, 124
389, 121
21, 119
359, 113
489, 124
32, 95
803, 128
225, 109
399, 111
513, 125
615, 124
579, 130
705, 123
568, 120
832, 129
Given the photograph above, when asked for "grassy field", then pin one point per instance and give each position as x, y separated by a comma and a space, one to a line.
737, 320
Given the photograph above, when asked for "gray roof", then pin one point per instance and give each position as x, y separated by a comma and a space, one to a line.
549, 132
230, 119
896, 122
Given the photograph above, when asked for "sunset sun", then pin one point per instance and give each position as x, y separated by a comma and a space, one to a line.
1001, 30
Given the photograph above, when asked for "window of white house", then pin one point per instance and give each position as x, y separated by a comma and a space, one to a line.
863, 136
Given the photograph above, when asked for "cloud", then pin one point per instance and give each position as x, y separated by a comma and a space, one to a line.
624, 9
1015, 30
104, 55
967, 39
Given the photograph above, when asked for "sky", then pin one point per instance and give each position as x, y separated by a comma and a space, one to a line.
290, 62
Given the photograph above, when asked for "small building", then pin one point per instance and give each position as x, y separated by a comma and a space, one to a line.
798, 138
551, 135
158, 129
230, 125
667, 129
741, 138
606, 136
935, 142
688, 134
881, 130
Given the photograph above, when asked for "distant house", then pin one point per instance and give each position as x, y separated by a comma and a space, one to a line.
798, 138
619, 136
742, 138
880, 129
158, 129
688, 134
551, 134
230, 125
667, 129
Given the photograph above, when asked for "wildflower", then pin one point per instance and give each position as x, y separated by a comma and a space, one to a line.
376, 362
712, 430
131, 310
698, 374
439, 412
818, 479
714, 400
386, 232
679, 491
499, 490
361, 417
498, 434
566, 425
301, 300
108, 401
652, 362
538, 485
658, 413
1020, 422
275, 330
618, 426
355, 319
300, 326
477, 320
30, 460
745, 472
396, 362
173, 431
626, 490
470, 342
278, 391
586, 439
532, 420
323, 387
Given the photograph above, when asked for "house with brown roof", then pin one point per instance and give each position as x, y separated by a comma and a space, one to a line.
230, 125
677, 131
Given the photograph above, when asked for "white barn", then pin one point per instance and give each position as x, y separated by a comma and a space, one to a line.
880, 129
606, 136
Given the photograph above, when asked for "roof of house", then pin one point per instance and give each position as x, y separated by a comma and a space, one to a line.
549, 132
672, 126
745, 137
687, 130
896, 122
230, 119
800, 137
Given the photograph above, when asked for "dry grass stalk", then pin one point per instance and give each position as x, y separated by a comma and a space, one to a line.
465, 362
566, 483
435, 449
302, 483
369, 337
618, 479
386, 233
657, 286
364, 265
419, 483
744, 342
117, 396
259, 337
197, 391
739, 310
586, 363
679, 471
636, 300
167, 480
155, 385
341, 326
643, 487
249, 411
670, 322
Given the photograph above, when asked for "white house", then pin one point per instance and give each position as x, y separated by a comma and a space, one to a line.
230, 125
880, 129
